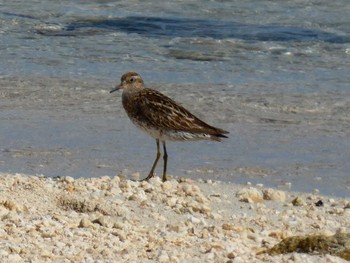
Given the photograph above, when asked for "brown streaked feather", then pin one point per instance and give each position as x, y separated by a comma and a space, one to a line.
161, 112
161, 117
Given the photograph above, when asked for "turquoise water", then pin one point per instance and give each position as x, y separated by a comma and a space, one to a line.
275, 74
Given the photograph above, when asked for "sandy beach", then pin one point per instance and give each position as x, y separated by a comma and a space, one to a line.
274, 74
117, 220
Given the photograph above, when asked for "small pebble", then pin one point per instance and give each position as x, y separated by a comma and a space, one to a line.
298, 201
250, 195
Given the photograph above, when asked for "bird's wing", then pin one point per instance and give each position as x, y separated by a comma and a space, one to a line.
162, 112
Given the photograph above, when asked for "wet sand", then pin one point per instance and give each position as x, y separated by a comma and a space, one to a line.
74, 127
111, 219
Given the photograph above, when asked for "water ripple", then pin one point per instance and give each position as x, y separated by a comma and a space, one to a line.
185, 27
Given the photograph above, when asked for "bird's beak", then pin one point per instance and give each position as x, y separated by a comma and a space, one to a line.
116, 88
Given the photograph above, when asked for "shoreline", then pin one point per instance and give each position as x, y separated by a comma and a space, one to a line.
104, 219
48, 115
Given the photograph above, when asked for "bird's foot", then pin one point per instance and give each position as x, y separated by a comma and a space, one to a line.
147, 178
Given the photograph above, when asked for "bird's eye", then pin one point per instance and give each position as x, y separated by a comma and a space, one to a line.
132, 79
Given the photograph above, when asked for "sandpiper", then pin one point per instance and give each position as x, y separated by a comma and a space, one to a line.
161, 117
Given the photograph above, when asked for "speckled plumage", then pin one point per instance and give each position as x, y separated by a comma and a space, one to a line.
161, 117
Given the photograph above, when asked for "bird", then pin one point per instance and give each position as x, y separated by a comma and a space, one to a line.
162, 118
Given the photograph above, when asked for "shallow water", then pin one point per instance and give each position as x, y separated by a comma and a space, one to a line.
275, 74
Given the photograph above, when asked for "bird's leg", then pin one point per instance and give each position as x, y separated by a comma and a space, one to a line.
151, 173
165, 158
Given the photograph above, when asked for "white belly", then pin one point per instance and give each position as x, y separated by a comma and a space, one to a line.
170, 135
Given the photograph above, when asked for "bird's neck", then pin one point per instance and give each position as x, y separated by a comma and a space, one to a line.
129, 93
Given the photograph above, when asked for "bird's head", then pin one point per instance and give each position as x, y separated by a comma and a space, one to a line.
129, 82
